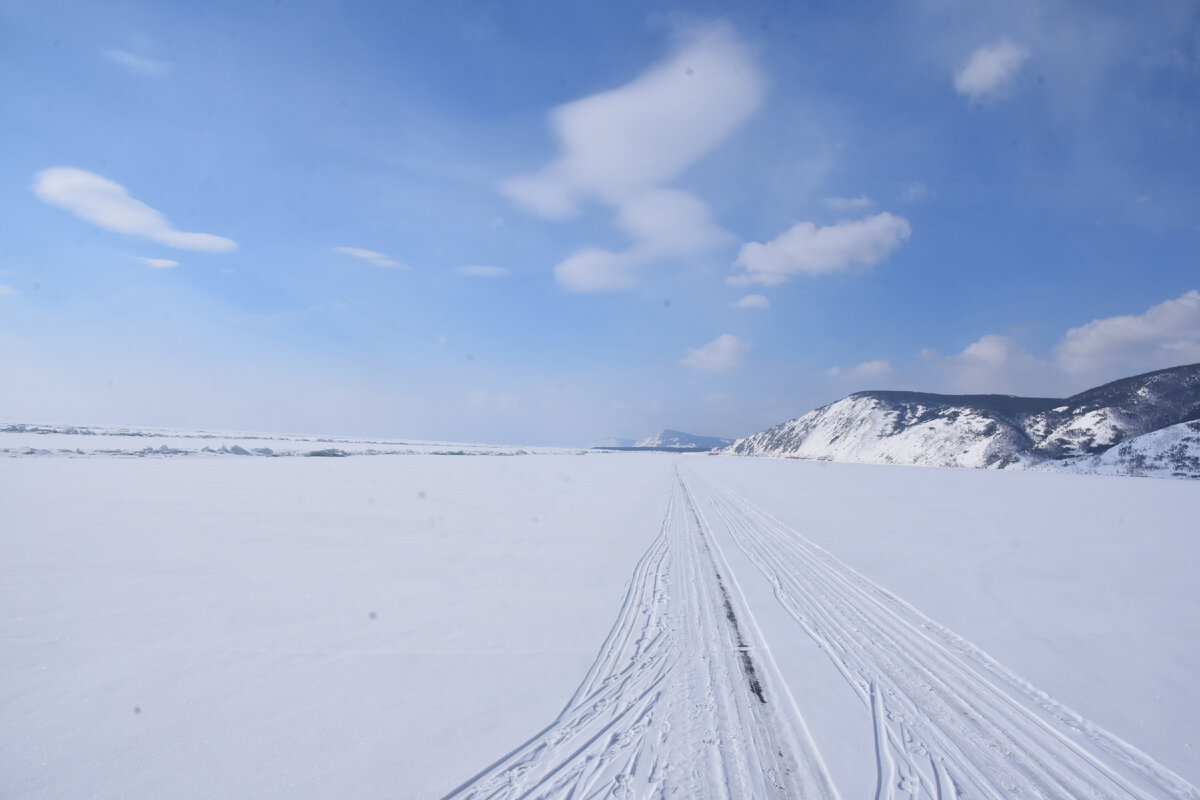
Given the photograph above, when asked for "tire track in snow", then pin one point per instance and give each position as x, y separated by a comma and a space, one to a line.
949, 720
683, 700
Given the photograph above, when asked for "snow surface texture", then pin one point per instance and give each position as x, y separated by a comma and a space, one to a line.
198, 627
683, 699
670, 438
989, 430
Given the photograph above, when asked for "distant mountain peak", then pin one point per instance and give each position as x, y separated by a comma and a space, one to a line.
680, 439
617, 441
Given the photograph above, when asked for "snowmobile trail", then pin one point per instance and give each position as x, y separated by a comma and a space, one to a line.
685, 700
949, 721
682, 701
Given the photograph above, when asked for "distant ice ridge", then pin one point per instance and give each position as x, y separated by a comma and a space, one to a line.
1079, 433
20, 439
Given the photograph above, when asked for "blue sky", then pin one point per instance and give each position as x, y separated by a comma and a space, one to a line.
562, 222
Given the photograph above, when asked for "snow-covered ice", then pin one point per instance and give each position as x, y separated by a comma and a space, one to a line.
420, 625
23, 439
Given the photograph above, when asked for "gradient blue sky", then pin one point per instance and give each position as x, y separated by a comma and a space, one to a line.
561, 222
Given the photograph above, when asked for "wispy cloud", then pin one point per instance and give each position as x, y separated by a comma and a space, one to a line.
142, 65
663, 223
867, 370
806, 249
989, 69
753, 301
721, 354
594, 270
5, 290
158, 263
623, 146
378, 259
847, 203
915, 192
482, 271
108, 205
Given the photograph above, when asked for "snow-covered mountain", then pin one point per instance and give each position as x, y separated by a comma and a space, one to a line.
669, 438
903, 428
987, 430
617, 441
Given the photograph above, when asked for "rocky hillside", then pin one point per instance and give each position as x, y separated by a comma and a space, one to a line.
1170, 452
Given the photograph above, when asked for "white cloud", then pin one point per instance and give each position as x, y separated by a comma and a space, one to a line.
721, 354
481, 271
107, 205
663, 223
624, 141
622, 146
847, 203
158, 263
378, 259
142, 65
753, 301
806, 249
595, 270
1165, 335
669, 222
989, 69
4, 290
867, 370
995, 365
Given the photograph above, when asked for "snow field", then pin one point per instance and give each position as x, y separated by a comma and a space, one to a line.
228, 600
393, 626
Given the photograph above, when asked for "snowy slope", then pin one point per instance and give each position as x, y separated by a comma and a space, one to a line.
901, 428
1095, 420
983, 430
1172, 452
670, 438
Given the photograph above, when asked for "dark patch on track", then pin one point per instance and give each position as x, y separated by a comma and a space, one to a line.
742, 648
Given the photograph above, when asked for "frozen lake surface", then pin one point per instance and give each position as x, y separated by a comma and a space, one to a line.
620, 624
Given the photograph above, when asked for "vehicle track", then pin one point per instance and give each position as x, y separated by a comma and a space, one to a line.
949, 720
683, 700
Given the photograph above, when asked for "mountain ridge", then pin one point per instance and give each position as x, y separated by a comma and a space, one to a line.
981, 430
